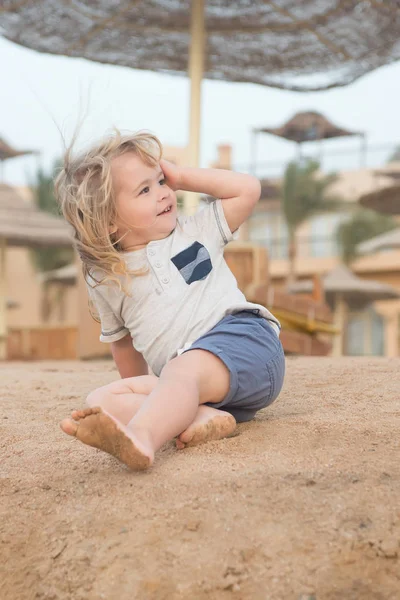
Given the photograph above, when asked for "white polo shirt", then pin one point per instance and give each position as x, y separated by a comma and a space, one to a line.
187, 289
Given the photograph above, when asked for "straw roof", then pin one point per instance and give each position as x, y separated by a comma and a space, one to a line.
67, 274
391, 170
7, 151
384, 241
384, 200
307, 127
354, 289
11, 303
288, 44
22, 224
269, 189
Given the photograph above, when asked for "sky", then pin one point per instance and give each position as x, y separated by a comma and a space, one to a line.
42, 95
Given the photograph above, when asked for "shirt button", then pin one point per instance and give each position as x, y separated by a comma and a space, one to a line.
152, 252
158, 264
165, 280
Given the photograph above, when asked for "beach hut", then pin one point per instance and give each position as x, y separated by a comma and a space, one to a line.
22, 224
345, 291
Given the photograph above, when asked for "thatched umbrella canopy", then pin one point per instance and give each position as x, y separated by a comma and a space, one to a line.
66, 275
390, 170
275, 43
355, 290
7, 151
343, 289
10, 303
384, 200
388, 240
22, 224
290, 45
308, 126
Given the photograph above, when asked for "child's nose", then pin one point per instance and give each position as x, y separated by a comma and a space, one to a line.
164, 193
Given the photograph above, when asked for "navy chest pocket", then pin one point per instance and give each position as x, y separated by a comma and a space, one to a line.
193, 263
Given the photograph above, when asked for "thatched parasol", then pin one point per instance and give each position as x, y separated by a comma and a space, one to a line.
384, 241
309, 126
7, 151
343, 289
290, 45
22, 224
384, 200
10, 303
390, 170
66, 275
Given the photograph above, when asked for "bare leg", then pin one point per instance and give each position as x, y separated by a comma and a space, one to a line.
123, 398
209, 424
186, 382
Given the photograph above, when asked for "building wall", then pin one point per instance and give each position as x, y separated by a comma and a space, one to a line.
318, 254
23, 287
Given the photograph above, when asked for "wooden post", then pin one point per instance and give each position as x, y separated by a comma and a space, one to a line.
340, 317
3, 300
196, 70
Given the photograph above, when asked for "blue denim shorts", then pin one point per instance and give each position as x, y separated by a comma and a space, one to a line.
251, 350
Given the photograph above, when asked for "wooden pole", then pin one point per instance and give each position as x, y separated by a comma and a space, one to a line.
340, 317
253, 164
196, 70
3, 300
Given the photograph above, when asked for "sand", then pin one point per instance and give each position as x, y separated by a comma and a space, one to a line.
304, 502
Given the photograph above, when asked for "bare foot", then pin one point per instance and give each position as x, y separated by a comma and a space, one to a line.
95, 427
209, 424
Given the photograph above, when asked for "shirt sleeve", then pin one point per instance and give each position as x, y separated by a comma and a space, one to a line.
112, 325
211, 221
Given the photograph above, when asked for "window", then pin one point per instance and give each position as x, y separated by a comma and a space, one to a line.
269, 229
323, 234
365, 334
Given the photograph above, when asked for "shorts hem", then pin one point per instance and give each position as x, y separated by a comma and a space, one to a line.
234, 379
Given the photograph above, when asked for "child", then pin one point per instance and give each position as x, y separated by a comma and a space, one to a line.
167, 299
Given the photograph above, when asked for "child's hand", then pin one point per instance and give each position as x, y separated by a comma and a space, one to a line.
171, 174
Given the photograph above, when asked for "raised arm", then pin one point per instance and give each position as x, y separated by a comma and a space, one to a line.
239, 192
130, 363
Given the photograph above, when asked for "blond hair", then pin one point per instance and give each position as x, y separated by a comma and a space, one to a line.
85, 193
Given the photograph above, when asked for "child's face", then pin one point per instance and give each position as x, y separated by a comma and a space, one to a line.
146, 206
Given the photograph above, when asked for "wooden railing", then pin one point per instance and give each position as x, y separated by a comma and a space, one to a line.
307, 321
40, 343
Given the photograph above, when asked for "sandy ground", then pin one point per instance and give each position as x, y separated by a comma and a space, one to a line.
303, 503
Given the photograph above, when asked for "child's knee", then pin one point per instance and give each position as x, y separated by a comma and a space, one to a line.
96, 397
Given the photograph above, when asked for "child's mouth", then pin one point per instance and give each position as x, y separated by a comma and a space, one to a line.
166, 211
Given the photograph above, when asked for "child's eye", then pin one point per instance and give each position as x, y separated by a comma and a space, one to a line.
162, 181
144, 190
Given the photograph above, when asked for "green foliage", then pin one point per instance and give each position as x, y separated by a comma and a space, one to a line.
363, 225
47, 259
304, 194
395, 156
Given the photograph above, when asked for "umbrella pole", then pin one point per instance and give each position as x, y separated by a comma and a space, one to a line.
253, 164
196, 70
3, 301
340, 322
